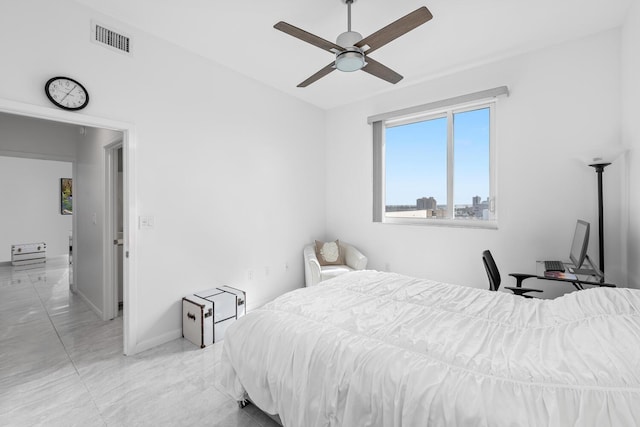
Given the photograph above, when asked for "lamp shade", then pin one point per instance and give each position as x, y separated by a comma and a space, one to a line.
351, 59
600, 155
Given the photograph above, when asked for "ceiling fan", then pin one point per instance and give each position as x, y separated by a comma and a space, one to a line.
352, 51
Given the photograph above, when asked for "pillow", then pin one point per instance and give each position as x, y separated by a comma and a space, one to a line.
329, 253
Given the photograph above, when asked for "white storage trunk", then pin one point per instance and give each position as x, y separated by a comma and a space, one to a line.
207, 314
28, 253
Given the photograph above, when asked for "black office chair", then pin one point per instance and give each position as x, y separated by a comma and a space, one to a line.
494, 277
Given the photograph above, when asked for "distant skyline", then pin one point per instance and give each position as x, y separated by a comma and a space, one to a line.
416, 159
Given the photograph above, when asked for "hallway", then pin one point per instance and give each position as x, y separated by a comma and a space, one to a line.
60, 365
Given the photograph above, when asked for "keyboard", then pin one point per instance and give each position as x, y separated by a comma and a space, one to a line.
553, 266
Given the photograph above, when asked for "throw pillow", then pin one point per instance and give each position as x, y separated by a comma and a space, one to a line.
329, 253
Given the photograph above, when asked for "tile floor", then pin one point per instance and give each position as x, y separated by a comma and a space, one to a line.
60, 365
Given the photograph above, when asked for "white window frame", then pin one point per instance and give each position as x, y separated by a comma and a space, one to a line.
446, 108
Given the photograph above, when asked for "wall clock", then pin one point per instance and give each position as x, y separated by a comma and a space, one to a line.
66, 93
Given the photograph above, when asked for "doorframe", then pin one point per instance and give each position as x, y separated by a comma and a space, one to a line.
110, 292
130, 317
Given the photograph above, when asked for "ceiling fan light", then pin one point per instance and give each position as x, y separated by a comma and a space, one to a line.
351, 59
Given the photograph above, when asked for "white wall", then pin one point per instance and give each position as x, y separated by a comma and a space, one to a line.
89, 198
30, 190
631, 135
30, 195
564, 100
38, 139
232, 170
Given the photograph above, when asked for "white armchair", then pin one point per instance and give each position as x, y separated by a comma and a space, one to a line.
314, 273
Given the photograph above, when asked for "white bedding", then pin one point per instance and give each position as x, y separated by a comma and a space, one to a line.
380, 349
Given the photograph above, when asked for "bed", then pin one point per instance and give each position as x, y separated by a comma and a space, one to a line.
380, 349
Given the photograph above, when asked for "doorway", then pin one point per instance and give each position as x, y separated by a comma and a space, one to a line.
128, 214
114, 220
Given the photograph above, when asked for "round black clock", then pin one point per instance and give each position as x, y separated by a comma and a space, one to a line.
66, 93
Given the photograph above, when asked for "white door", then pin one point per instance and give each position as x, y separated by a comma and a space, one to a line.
115, 204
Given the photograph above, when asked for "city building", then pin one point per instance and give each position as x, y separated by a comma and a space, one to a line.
426, 203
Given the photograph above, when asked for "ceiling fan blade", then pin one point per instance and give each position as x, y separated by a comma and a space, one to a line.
317, 76
395, 29
381, 71
307, 37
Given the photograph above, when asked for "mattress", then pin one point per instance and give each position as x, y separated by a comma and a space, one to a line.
381, 349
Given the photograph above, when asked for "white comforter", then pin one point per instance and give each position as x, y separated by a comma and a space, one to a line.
380, 349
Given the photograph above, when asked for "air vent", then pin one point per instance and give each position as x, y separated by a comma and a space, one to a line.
111, 39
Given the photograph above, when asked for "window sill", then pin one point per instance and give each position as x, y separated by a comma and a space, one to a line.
455, 223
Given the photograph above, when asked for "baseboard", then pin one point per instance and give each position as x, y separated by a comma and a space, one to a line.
257, 304
89, 303
156, 341
46, 263
63, 257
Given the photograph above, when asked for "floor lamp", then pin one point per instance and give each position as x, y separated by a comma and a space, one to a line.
599, 158
599, 167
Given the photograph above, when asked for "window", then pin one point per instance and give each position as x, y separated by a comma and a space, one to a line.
435, 165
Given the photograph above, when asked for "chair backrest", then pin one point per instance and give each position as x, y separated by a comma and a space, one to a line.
492, 270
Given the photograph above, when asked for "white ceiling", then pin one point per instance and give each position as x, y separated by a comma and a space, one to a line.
463, 33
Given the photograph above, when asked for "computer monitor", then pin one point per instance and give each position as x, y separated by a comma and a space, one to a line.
580, 243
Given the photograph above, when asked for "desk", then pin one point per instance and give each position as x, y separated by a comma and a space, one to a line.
577, 280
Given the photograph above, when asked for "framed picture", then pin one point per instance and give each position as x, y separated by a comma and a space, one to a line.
66, 196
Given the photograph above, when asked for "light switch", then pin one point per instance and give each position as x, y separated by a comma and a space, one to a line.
146, 221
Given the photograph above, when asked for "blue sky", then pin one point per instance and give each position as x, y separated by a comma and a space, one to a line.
416, 159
